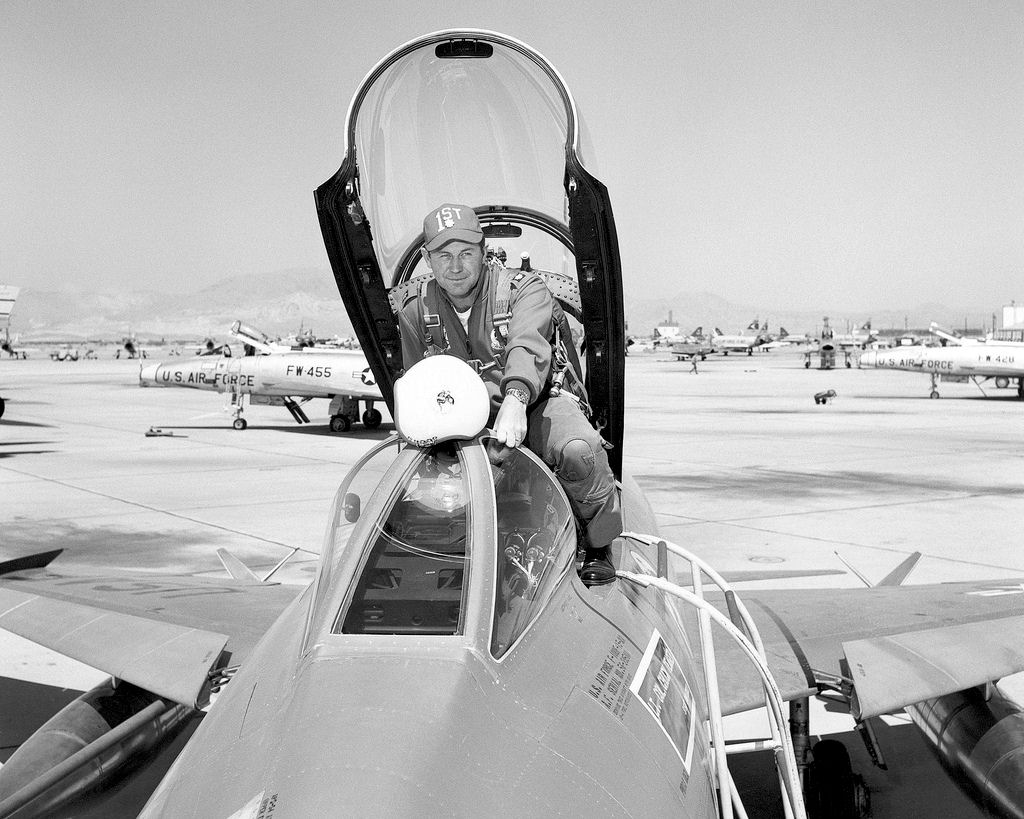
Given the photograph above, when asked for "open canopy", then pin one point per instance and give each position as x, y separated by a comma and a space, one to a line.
482, 119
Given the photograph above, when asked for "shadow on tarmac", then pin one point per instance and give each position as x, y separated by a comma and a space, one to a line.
914, 787
785, 483
4, 455
35, 702
379, 434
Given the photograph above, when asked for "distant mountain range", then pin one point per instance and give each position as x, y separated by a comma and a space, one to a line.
277, 303
282, 302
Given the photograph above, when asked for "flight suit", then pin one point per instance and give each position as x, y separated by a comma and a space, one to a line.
520, 355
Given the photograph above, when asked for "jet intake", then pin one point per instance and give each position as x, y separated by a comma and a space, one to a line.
83, 745
978, 735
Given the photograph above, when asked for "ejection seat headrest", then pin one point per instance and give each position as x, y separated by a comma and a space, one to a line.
438, 399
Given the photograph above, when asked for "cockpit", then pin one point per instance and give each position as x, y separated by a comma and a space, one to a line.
469, 540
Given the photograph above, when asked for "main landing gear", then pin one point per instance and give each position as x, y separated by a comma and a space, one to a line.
831, 789
345, 412
834, 791
935, 386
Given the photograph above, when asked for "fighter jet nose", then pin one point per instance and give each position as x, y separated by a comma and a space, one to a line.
147, 375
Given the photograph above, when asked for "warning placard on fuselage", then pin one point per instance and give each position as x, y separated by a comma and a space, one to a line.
660, 685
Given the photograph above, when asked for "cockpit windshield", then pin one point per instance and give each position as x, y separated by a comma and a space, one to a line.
416, 529
413, 579
536, 542
437, 125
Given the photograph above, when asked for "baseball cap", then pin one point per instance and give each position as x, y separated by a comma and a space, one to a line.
448, 222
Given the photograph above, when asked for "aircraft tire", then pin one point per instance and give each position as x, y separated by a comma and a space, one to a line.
372, 418
240, 424
933, 394
340, 423
833, 790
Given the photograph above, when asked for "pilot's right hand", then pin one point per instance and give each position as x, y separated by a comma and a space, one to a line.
510, 425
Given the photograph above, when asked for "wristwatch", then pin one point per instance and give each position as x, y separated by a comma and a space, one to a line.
519, 394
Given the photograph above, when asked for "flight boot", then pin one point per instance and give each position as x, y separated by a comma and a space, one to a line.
597, 567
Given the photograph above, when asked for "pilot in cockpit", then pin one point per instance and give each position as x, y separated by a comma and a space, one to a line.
503, 322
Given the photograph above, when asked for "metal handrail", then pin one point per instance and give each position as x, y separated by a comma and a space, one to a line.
751, 644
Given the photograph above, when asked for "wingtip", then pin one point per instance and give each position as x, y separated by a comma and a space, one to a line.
34, 561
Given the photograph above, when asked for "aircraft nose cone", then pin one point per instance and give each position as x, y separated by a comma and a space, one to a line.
868, 359
147, 375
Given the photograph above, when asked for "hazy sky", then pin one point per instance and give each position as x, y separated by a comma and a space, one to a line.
785, 154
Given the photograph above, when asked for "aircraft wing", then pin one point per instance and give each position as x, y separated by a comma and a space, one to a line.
899, 644
162, 633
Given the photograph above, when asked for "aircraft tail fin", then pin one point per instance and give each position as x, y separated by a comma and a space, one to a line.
900, 573
36, 561
8, 296
236, 568
894, 578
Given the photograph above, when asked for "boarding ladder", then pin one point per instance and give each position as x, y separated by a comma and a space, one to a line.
741, 628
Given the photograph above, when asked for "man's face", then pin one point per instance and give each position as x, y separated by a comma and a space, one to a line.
457, 267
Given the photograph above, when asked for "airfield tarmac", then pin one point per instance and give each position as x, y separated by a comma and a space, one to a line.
738, 462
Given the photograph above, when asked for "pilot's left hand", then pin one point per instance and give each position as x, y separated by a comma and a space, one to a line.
510, 425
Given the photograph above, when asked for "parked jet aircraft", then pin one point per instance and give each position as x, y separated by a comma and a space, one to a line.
858, 337
827, 349
279, 377
794, 338
8, 298
977, 362
696, 344
743, 342
447, 660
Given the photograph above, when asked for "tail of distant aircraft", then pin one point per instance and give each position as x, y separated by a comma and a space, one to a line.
8, 296
754, 325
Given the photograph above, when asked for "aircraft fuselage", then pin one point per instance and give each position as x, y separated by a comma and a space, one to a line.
987, 360
316, 375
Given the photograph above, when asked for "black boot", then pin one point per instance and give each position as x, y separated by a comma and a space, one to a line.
597, 567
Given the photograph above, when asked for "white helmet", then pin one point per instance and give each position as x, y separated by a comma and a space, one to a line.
438, 399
